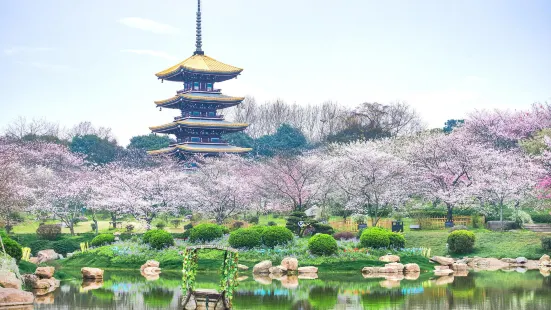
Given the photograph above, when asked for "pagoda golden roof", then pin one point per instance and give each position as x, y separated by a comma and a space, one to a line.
199, 123
201, 148
201, 64
200, 98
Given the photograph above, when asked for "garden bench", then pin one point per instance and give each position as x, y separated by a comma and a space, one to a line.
414, 227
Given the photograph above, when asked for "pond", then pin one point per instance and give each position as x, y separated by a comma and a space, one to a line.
482, 290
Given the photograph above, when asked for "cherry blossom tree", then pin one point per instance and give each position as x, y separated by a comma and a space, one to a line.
147, 191
368, 179
222, 187
505, 178
290, 182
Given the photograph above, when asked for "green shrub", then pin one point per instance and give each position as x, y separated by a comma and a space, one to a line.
148, 234
461, 241
206, 233
375, 237
65, 246
260, 229
397, 240
13, 248
49, 231
272, 223
129, 227
225, 230
188, 226
322, 244
253, 219
237, 225
161, 239
160, 225
245, 238
544, 218
323, 229
546, 243
176, 223
276, 235
102, 239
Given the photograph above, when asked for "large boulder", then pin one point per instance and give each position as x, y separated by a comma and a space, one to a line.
290, 263
12, 297
390, 258
46, 256
399, 268
411, 268
91, 273
446, 261
44, 272
278, 270
150, 271
521, 260
262, 267
242, 267
9, 280
150, 263
459, 267
490, 264
545, 260
308, 269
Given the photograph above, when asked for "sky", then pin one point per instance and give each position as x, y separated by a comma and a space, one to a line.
72, 61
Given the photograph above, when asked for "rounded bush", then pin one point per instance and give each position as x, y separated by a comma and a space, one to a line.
161, 239
375, 237
49, 231
65, 246
322, 244
13, 248
147, 235
323, 229
546, 243
102, 239
397, 241
258, 228
205, 233
276, 235
245, 238
461, 241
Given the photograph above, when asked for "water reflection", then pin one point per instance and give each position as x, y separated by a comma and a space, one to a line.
476, 290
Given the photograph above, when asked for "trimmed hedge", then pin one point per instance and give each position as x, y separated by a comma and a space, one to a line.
461, 241
147, 235
102, 239
205, 233
65, 246
397, 241
13, 248
276, 235
245, 238
375, 237
161, 239
546, 243
322, 244
49, 231
543, 218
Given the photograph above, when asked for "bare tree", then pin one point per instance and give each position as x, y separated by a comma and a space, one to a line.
396, 118
22, 127
86, 128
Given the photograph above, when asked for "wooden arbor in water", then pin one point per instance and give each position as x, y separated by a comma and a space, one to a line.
209, 298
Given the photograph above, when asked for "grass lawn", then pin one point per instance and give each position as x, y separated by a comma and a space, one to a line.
488, 243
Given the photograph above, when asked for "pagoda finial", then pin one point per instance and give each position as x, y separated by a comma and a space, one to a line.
198, 43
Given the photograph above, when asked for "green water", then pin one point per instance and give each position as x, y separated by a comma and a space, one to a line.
483, 290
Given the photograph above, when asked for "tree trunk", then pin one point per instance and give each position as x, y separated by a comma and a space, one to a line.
449, 216
114, 220
72, 229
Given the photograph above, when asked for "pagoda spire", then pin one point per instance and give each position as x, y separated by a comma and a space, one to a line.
198, 43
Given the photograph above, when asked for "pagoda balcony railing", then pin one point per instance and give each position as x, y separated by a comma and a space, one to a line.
214, 90
220, 141
220, 116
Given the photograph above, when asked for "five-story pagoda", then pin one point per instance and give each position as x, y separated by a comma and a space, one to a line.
199, 128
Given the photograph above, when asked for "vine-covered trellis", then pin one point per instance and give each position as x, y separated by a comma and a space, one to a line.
228, 273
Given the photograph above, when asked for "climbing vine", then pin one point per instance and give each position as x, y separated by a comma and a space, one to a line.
228, 282
189, 270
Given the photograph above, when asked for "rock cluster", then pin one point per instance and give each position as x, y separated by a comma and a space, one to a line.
15, 297
42, 281
392, 268
45, 256
390, 258
91, 273
286, 272
150, 270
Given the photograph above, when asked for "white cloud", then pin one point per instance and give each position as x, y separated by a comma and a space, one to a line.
25, 49
160, 54
148, 25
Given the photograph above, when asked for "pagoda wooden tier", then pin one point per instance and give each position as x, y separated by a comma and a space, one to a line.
200, 127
